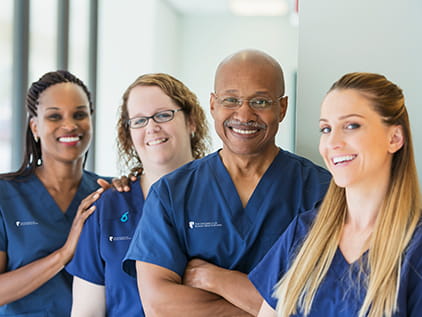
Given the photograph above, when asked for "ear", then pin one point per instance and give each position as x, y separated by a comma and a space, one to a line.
396, 139
212, 103
33, 124
283, 108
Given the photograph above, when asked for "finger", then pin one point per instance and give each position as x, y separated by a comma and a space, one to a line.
88, 212
103, 183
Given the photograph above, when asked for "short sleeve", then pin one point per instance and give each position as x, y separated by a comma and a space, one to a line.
87, 262
414, 287
273, 266
3, 239
156, 238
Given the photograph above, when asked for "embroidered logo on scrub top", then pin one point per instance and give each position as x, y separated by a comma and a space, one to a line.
124, 238
124, 217
26, 223
208, 224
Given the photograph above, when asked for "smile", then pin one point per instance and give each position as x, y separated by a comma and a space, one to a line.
343, 159
241, 131
69, 139
157, 141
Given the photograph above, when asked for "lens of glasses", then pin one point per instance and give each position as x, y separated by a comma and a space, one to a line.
163, 116
159, 117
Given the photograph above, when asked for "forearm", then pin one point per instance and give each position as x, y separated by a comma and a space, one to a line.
88, 299
236, 288
233, 286
163, 294
26, 279
180, 300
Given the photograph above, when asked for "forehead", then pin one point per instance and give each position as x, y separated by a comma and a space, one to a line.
343, 102
148, 100
246, 77
63, 94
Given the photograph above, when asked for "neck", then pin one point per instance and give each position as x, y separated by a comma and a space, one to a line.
60, 176
364, 204
248, 165
151, 174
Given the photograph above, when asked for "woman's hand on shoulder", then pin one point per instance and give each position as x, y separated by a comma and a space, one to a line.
85, 209
121, 184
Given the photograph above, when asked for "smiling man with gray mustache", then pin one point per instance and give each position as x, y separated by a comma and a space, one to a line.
206, 225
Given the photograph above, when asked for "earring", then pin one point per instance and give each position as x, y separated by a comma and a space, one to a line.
192, 134
36, 138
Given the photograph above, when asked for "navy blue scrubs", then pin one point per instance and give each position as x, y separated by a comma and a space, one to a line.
102, 246
341, 293
196, 212
32, 226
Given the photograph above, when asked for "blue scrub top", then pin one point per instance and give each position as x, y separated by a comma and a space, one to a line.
32, 226
342, 292
103, 243
196, 212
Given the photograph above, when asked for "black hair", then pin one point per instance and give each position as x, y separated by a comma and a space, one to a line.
32, 149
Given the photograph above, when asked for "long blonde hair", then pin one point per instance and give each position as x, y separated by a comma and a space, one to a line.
401, 212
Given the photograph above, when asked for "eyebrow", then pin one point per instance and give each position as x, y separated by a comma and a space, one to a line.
57, 108
234, 91
344, 117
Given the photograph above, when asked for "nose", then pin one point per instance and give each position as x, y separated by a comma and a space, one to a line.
335, 139
245, 113
152, 126
70, 124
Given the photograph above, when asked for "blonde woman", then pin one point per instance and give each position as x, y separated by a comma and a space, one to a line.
361, 254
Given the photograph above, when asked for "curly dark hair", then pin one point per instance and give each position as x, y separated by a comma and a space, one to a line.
32, 149
183, 97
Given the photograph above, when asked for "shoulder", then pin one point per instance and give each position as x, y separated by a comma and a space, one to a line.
414, 251
189, 172
301, 162
10, 188
91, 176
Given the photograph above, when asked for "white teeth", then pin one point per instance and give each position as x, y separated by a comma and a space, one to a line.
69, 139
158, 141
342, 159
244, 131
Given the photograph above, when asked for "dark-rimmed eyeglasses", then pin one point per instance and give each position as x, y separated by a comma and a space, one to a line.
159, 117
257, 103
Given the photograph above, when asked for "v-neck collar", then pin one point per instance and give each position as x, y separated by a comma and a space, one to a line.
51, 204
243, 217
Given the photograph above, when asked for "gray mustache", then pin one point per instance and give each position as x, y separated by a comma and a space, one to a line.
239, 124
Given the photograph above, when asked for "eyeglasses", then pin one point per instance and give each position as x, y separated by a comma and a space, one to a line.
257, 103
159, 117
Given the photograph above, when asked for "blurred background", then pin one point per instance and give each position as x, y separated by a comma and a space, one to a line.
109, 43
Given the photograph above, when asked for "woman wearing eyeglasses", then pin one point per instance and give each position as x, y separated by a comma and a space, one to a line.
161, 127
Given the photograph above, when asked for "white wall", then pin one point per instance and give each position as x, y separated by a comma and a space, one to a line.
336, 37
135, 37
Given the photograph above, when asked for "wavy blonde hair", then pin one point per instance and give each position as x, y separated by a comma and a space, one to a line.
401, 212
183, 97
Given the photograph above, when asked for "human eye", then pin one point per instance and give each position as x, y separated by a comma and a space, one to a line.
230, 101
260, 103
54, 116
80, 115
352, 126
138, 122
325, 129
163, 116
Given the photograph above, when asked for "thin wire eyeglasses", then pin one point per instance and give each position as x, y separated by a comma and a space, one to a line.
257, 103
159, 117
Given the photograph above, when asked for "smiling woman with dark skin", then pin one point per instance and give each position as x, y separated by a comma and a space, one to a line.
40, 221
